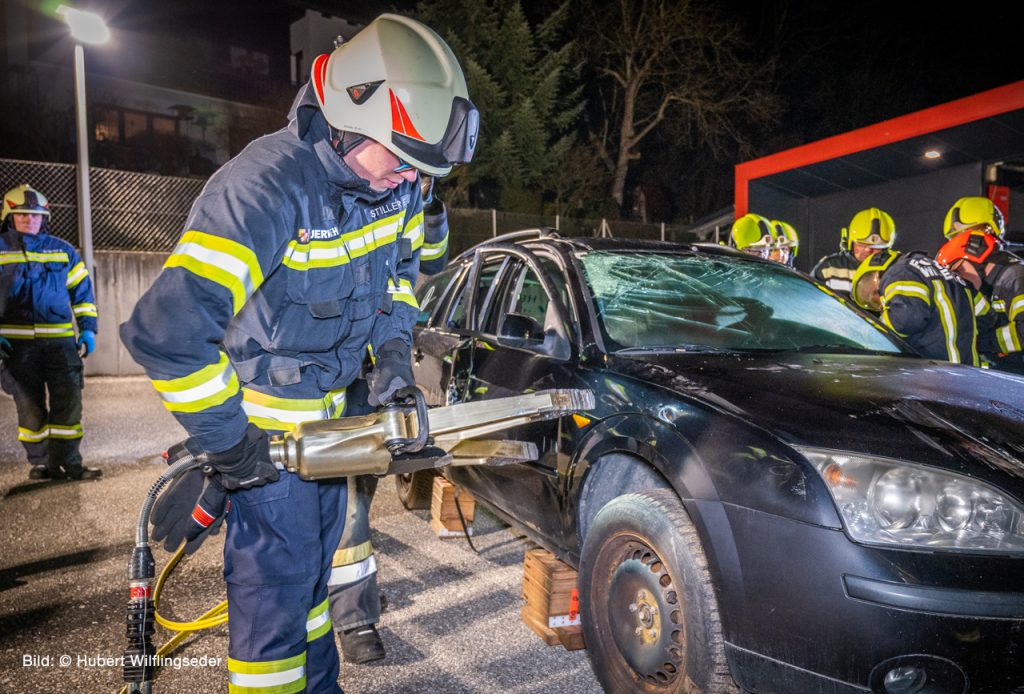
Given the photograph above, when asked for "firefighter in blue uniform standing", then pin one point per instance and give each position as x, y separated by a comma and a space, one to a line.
47, 289
870, 231
298, 260
922, 301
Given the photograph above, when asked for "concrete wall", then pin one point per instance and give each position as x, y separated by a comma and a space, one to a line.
120, 279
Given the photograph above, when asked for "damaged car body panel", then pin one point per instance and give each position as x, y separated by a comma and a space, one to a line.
796, 433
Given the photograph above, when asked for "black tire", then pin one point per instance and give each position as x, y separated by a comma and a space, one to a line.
649, 613
414, 489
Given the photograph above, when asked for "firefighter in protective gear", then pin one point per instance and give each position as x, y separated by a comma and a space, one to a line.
974, 213
922, 301
870, 231
48, 289
753, 234
978, 258
298, 261
787, 241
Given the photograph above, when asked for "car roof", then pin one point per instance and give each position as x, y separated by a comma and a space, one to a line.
544, 236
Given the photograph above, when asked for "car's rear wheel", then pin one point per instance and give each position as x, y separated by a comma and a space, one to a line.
649, 612
414, 489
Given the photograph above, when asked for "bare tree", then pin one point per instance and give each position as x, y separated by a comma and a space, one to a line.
660, 60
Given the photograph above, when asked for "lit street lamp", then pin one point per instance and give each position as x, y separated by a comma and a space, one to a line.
86, 27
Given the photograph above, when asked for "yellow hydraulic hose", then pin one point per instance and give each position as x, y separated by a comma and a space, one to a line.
213, 617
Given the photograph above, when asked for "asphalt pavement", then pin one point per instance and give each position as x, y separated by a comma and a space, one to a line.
452, 624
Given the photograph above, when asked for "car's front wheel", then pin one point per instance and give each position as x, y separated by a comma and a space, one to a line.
649, 612
414, 489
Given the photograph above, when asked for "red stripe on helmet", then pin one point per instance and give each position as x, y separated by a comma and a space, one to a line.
200, 516
320, 75
400, 121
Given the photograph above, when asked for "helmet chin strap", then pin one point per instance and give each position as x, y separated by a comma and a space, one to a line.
344, 141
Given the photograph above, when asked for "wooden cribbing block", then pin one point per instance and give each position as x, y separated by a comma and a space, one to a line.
552, 600
444, 515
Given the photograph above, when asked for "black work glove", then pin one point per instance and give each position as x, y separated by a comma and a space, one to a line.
191, 509
392, 371
246, 464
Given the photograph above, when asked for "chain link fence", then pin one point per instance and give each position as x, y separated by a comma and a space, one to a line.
146, 212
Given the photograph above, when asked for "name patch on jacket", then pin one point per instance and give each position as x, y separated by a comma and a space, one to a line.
307, 235
389, 207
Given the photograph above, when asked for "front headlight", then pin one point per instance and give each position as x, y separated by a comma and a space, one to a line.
890, 502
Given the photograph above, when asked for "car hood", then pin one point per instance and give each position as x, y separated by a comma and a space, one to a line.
897, 406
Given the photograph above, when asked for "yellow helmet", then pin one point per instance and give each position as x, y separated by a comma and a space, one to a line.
974, 211
868, 277
24, 200
787, 241
871, 227
753, 234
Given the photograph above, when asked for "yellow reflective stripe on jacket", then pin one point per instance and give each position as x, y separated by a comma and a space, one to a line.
430, 251
76, 275
65, 431
948, 318
414, 230
30, 332
275, 413
838, 273
1008, 338
200, 390
10, 257
1016, 307
981, 304
403, 292
29, 436
284, 676
220, 260
318, 621
352, 555
908, 288
84, 309
339, 251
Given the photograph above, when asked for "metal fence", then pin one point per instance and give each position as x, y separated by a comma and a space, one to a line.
146, 212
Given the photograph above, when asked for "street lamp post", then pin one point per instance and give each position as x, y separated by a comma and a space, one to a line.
86, 27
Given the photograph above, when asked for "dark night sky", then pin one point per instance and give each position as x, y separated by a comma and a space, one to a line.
843, 64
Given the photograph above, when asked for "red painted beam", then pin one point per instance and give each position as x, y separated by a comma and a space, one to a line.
948, 115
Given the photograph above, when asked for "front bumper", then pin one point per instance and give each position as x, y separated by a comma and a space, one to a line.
806, 610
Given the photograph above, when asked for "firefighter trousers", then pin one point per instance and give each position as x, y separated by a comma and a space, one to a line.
281, 538
354, 597
44, 376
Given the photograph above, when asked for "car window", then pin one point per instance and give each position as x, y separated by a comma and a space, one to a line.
525, 303
430, 291
457, 313
660, 300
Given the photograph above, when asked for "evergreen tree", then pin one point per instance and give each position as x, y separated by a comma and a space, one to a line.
522, 80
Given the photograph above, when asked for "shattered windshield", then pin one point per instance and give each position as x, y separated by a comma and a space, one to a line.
668, 301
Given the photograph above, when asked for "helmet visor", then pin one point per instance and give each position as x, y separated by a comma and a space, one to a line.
456, 147
866, 291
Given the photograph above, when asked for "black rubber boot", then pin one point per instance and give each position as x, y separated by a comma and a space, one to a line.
41, 472
82, 472
361, 645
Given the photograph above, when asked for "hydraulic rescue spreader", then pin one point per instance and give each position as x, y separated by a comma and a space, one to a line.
400, 439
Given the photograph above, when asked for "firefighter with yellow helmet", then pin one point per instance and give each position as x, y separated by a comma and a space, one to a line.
870, 231
297, 266
922, 301
787, 241
48, 289
974, 251
753, 234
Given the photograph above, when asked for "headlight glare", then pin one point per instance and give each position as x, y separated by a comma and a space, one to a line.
890, 502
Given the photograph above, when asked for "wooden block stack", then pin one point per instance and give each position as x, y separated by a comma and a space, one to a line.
444, 515
548, 588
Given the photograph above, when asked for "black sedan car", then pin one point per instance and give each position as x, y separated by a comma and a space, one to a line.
773, 493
